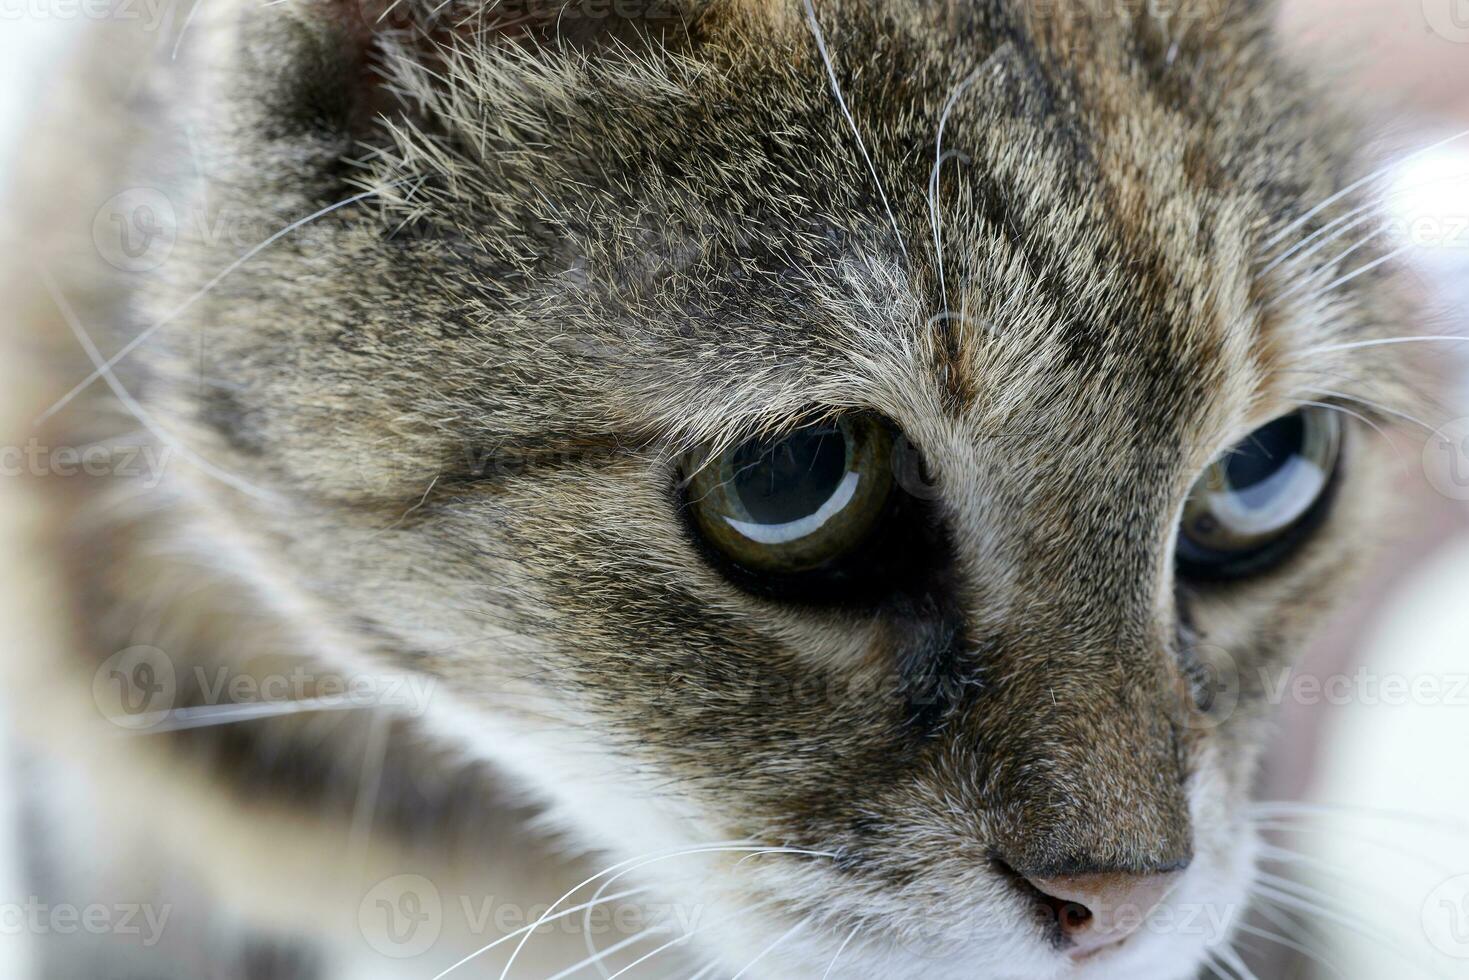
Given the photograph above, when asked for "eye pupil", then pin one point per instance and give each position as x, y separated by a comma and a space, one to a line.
804, 504
1246, 509
1263, 454
783, 481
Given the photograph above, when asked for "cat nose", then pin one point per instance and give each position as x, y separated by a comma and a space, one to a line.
1098, 910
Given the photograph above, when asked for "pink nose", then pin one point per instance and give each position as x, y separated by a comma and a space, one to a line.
1097, 910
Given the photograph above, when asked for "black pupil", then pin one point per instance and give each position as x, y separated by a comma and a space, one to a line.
787, 479
1263, 454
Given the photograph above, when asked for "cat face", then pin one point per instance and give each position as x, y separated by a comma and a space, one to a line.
632, 400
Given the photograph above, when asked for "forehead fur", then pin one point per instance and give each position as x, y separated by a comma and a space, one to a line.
691, 221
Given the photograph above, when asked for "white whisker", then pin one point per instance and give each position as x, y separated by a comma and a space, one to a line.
1290, 858
207, 716
1335, 263
1290, 944
1343, 280
1374, 175
1302, 890
359, 832
1299, 808
104, 371
678, 940
1348, 921
836, 90
1280, 826
1233, 961
628, 866
768, 949
598, 956
1361, 213
1217, 967
1375, 406
587, 917
536, 925
1328, 406
178, 42
934, 217
833, 964
132, 345
1385, 341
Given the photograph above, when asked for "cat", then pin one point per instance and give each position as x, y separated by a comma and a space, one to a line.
832, 477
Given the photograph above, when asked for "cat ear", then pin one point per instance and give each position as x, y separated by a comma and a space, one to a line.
332, 65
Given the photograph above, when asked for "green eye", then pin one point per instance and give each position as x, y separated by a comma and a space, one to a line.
1251, 504
794, 503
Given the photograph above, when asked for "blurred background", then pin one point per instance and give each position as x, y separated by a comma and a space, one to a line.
1365, 801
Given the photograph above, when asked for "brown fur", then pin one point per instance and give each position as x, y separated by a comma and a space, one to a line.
450, 412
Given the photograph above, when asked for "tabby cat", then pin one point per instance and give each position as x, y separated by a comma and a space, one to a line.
840, 471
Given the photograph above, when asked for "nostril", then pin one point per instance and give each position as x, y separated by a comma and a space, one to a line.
1091, 911
1071, 917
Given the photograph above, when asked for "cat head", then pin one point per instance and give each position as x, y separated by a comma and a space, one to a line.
901, 435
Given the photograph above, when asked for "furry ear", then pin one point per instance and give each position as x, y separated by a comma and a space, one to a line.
329, 66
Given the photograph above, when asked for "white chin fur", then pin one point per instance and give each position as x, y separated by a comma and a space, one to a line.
621, 812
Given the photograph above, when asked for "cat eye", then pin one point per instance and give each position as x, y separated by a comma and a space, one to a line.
795, 502
1257, 501
817, 512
